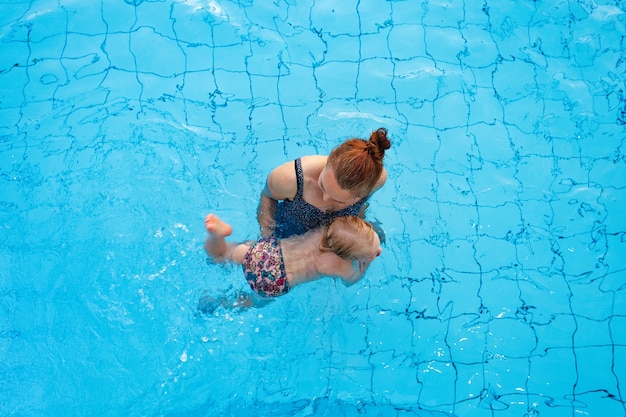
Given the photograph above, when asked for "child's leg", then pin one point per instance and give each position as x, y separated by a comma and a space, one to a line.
237, 302
215, 244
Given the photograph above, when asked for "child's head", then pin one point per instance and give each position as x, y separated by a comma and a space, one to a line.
351, 238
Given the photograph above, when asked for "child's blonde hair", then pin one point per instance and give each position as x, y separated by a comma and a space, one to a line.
348, 237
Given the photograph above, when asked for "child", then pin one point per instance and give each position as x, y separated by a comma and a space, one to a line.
343, 249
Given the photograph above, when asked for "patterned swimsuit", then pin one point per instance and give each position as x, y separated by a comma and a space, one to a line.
296, 217
264, 268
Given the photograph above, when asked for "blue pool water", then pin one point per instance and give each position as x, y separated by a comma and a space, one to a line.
501, 287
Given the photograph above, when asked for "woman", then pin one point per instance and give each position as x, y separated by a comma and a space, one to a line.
343, 249
311, 191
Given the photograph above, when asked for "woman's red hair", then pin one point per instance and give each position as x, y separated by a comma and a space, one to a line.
358, 163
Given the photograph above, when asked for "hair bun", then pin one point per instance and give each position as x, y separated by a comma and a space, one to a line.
379, 139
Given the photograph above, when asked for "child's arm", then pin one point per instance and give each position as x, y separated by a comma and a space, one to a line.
356, 272
353, 274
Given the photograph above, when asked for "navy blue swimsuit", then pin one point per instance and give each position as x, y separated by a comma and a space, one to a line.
296, 217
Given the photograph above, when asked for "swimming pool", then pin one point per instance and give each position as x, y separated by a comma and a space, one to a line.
500, 290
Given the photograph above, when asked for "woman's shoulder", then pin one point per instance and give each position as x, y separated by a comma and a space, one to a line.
316, 160
313, 164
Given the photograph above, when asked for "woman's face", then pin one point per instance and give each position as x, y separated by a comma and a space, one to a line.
332, 193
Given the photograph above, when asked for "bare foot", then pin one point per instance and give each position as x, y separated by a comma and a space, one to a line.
216, 227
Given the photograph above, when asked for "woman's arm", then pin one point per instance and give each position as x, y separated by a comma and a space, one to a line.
281, 184
266, 213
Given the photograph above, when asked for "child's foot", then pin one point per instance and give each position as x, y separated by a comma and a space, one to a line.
216, 227
208, 305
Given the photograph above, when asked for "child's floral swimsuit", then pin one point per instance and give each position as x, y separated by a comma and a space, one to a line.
264, 268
